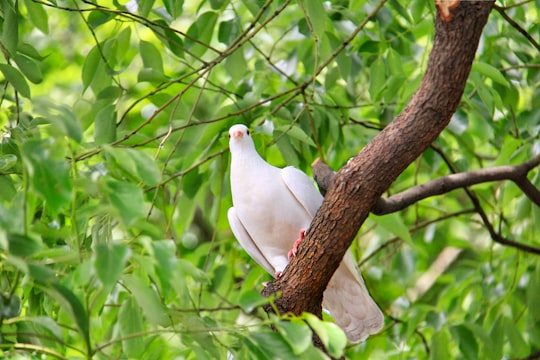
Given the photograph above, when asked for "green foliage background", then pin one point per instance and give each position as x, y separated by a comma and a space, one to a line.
114, 241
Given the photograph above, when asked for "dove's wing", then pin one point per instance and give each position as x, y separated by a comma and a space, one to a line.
303, 189
246, 241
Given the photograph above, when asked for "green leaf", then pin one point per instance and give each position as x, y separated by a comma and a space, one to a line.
7, 161
218, 4
10, 28
490, 71
251, 299
191, 183
7, 186
105, 125
394, 224
227, 33
97, 18
40, 274
131, 322
497, 339
61, 117
145, 6
272, 344
46, 323
174, 7
29, 67
297, 334
127, 198
110, 262
48, 172
331, 335
152, 76
73, 306
169, 38
136, 164
236, 65
90, 67
147, 299
22, 245
533, 294
297, 133
16, 79
151, 56
440, 346
517, 342
202, 30
377, 79
466, 341
317, 16
38, 15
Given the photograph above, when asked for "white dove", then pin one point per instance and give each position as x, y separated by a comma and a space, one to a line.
271, 206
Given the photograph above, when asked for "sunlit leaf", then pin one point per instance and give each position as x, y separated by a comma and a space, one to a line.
490, 71
97, 18
317, 16
90, 66
151, 56
201, 30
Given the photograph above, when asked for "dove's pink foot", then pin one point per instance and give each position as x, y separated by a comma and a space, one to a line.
294, 249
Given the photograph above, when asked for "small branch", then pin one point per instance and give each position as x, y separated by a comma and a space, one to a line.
502, 11
324, 175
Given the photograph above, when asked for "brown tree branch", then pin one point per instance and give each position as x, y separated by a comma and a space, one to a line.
445, 184
323, 175
361, 182
495, 236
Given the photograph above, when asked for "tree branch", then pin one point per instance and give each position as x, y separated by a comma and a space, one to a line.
360, 183
502, 10
445, 184
324, 175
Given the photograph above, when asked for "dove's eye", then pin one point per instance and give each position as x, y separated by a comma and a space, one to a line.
248, 132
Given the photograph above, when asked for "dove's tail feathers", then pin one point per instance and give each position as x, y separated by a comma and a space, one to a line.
351, 306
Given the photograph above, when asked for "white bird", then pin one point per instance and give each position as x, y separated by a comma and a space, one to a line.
271, 206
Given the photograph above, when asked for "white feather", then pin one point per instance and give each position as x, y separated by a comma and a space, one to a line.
270, 207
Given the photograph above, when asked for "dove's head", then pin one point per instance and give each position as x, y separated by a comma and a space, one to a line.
240, 138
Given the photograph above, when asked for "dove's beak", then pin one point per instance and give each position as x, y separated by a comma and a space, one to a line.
237, 134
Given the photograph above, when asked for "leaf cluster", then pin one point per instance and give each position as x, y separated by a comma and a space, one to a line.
114, 176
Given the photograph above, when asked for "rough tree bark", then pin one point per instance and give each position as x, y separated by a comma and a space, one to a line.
359, 184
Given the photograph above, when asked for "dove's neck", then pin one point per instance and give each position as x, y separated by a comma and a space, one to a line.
247, 158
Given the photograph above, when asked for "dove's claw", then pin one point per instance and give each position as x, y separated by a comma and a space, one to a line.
294, 249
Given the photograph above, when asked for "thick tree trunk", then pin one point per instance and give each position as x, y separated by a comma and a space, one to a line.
360, 183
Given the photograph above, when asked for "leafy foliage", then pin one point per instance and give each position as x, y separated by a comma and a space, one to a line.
114, 186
